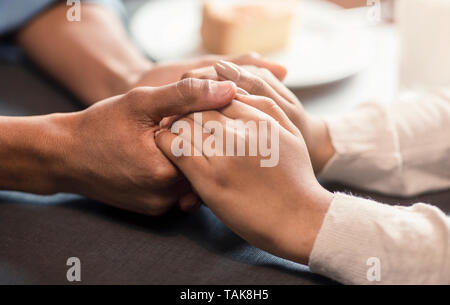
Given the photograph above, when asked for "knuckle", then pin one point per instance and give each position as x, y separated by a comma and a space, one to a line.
136, 94
273, 110
164, 174
186, 87
255, 85
269, 103
205, 86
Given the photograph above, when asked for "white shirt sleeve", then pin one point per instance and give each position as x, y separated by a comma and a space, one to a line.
401, 149
365, 242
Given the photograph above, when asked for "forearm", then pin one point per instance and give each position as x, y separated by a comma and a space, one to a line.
93, 58
34, 152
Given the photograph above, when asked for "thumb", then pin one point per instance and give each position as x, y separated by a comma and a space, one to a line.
186, 96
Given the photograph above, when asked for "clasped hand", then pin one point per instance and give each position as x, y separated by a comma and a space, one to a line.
121, 154
279, 208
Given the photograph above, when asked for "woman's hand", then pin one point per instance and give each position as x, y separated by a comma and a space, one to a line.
279, 208
261, 81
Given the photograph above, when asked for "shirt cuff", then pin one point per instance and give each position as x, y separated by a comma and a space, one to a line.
400, 149
367, 151
365, 242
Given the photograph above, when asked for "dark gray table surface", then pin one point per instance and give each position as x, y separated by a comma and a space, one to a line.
39, 233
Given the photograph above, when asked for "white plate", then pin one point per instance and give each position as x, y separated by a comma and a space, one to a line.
322, 50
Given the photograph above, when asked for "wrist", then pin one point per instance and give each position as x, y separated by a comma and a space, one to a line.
320, 146
297, 236
60, 150
319, 206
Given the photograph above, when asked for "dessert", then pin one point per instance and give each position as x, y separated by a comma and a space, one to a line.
237, 27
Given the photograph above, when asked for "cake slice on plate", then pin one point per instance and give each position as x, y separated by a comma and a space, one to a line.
234, 27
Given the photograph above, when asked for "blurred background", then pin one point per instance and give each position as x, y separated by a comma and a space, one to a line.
338, 52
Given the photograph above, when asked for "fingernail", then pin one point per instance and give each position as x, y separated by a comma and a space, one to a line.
221, 89
164, 123
242, 91
227, 70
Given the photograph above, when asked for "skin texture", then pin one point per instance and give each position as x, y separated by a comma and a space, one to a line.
260, 81
283, 218
106, 152
97, 59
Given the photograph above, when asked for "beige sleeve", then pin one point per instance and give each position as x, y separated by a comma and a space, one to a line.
365, 242
401, 149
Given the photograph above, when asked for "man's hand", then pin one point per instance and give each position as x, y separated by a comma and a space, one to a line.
107, 152
260, 81
279, 209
